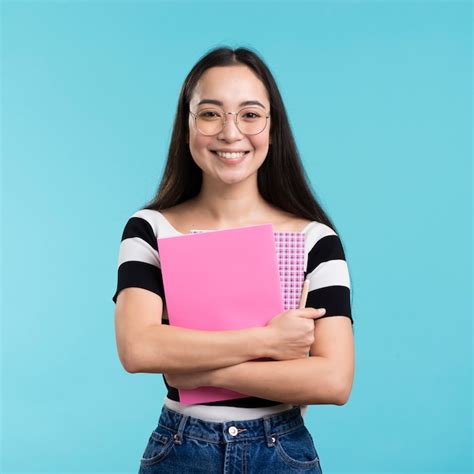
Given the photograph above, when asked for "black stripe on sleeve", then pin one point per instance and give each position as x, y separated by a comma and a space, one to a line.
139, 275
336, 300
325, 249
138, 227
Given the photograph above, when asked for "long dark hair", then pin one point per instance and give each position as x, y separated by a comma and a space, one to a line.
282, 180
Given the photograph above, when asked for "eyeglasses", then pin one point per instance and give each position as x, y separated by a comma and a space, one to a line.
212, 120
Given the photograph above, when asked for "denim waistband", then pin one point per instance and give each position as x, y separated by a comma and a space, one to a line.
266, 427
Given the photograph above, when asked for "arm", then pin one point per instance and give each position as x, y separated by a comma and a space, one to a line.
146, 345
162, 348
299, 381
323, 378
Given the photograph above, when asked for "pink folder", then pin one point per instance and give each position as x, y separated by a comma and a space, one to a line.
220, 280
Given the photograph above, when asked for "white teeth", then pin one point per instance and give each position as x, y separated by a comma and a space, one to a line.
230, 155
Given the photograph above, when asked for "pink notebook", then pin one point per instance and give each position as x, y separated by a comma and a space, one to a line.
290, 251
220, 280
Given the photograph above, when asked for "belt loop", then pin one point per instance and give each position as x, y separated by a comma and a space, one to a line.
267, 427
177, 437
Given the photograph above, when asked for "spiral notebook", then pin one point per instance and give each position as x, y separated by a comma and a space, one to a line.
230, 279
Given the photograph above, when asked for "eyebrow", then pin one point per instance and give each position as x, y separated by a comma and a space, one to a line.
218, 102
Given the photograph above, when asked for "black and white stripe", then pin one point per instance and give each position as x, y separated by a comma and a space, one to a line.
327, 270
139, 261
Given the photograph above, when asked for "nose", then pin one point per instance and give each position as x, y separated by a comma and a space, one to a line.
230, 130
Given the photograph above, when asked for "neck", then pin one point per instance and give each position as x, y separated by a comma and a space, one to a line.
230, 204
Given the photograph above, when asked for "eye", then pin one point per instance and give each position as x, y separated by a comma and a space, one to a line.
251, 115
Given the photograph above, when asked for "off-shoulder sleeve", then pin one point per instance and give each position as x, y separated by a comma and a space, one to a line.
328, 273
138, 261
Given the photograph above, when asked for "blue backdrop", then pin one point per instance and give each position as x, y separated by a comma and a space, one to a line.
379, 99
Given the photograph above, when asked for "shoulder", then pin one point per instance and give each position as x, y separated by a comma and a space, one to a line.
146, 224
292, 224
178, 217
323, 246
139, 237
317, 232
284, 221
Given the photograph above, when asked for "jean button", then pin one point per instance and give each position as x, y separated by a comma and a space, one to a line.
273, 439
233, 430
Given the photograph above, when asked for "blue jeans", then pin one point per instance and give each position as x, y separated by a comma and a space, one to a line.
273, 444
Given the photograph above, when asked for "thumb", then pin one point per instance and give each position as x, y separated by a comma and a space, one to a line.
313, 312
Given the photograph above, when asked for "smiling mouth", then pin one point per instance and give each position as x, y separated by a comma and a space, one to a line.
236, 160
240, 156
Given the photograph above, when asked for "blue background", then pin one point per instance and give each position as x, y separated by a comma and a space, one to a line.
379, 99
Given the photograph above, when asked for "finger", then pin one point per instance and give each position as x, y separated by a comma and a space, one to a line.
313, 312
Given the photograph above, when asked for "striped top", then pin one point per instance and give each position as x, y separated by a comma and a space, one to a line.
325, 266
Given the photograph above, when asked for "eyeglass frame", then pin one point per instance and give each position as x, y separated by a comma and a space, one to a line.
225, 122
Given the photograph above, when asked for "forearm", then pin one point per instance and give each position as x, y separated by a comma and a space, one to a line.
308, 381
164, 348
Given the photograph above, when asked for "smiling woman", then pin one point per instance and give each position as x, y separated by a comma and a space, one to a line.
233, 162
229, 126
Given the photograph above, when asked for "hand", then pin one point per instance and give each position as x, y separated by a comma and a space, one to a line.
189, 380
292, 333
